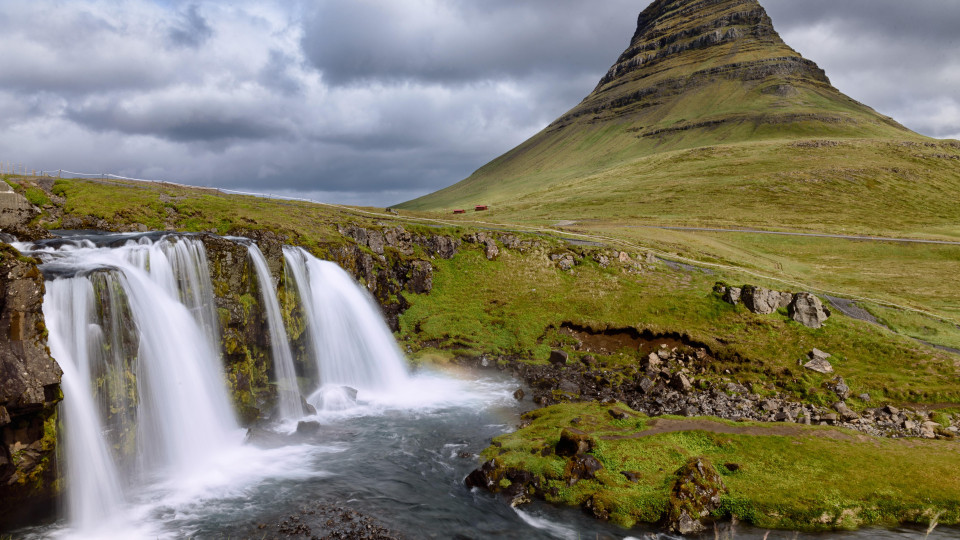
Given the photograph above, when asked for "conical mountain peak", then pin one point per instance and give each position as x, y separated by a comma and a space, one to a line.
696, 73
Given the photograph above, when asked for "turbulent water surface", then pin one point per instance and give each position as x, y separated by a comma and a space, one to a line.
165, 458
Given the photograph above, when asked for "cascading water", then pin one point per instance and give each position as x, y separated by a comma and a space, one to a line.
351, 344
289, 405
183, 415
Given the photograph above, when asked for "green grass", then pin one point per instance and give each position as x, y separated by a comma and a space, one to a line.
507, 307
792, 477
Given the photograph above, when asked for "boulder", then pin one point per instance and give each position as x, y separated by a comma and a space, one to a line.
818, 362
928, 430
490, 249
764, 301
421, 277
732, 295
558, 358
573, 442
519, 394
839, 387
808, 310
695, 495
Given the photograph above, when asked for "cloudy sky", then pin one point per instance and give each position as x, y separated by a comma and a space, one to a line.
378, 101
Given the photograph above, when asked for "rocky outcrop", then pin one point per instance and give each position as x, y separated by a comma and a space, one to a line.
29, 392
803, 307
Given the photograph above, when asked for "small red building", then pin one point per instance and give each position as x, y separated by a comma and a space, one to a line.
459, 211
480, 208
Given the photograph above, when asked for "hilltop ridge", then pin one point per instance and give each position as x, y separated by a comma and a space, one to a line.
696, 73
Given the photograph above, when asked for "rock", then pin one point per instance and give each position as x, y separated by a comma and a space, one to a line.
558, 358
569, 387
623, 257
421, 277
839, 387
617, 414
441, 246
695, 494
732, 295
645, 385
845, 412
486, 477
581, 467
491, 250
818, 362
732, 467
308, 428
588, 360
631, 476
519, 394
764, 301
864, 398
653, 361
928, 430
909, 425
681, 383
566, 263
573, 442
808, 310
29, 393
376, 241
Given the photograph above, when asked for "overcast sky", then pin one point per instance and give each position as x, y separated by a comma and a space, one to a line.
378, 101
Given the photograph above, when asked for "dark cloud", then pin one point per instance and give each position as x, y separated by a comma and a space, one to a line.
375, 101
191, 30
356, 41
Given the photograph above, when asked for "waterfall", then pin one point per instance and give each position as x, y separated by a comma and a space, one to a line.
134, 327
289, 405
93, 480
350, 342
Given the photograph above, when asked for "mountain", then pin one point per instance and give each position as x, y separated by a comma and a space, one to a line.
703, 82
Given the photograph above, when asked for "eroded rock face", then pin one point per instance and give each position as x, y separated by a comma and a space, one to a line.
29, 392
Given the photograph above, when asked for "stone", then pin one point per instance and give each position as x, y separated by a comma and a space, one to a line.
573, 442
632, 477
581, 467
623, 257
376, 241
569, 387
909, 425
588, 360
566, 263
839, 387
490, 249
645, 385
808, 310
763, 301
519, 394
617, 414
864, 398
845, 412
928, 430
696, 493
732, 295
558, 358
653, 361
681, 383
818, 362
421, 277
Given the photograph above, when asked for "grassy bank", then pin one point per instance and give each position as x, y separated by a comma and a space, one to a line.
779, 476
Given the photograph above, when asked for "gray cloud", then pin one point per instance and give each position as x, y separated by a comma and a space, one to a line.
376, 101
191, 30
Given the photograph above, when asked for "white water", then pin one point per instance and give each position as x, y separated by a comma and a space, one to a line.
183, 414
289, 405
351, 344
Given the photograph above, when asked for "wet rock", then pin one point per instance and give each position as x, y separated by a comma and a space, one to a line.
486, 477
696, 493
308, 428
519, 394
808, 310
573, 442
818, 362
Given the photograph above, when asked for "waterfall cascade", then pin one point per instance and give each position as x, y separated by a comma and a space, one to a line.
351, 345
133, 323
289, 405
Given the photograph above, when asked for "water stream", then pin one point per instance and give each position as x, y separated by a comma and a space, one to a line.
153, 449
